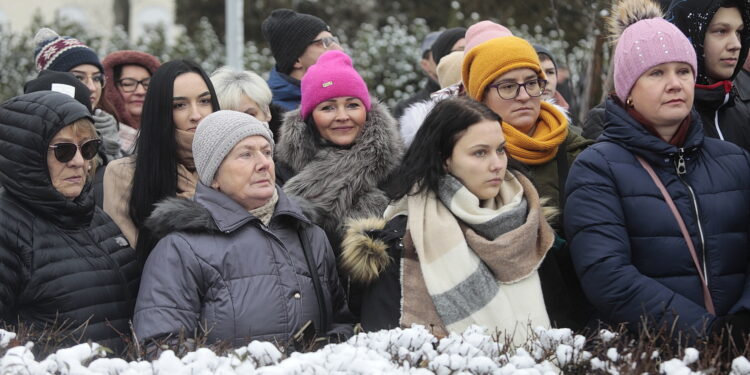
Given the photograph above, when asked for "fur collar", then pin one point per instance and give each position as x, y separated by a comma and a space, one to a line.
339, 182
180, 215
297, 147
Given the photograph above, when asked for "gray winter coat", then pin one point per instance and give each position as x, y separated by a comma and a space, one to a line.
340, 182
221, 268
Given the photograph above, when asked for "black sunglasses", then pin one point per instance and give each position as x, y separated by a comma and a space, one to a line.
66, 151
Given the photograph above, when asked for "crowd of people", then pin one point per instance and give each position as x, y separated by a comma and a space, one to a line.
160, 199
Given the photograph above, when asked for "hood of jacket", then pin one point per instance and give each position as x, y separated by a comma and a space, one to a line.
624, 130
286, 90
692, 17
111, 93
210, 211
27, 125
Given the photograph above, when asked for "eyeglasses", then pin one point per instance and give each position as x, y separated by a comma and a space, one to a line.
327, 42
95, 78
130, 84
66, 151
510, 90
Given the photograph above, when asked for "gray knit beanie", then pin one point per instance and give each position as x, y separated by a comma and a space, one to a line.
217, 134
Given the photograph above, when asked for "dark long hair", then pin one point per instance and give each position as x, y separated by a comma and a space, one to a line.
424, 162
155, 176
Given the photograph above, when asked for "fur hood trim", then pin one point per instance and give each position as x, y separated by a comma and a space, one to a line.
364, 257
298, 147
180, 215
412, 119
341, 182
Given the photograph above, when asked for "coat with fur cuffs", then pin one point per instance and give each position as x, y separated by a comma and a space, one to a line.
374, 252
218, 266
337, 182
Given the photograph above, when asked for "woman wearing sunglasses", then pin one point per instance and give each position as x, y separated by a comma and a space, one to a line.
130, 73
67, 54
180, 94
62, 259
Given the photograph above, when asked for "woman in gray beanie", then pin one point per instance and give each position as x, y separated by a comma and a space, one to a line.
241, 227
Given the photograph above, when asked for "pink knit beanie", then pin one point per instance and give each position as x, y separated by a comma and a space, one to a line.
332, 76
645, 44
481, 32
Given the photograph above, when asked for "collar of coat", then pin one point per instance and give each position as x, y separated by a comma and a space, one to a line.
624, 130
211, 211
379, 144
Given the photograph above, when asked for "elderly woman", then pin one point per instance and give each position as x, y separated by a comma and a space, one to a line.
62, 259
247, 92
240, 258
67, 54
658, 213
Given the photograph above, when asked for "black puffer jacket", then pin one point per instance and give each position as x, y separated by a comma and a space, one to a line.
723, 113
60, 259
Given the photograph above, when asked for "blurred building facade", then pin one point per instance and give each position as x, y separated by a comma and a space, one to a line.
98, 16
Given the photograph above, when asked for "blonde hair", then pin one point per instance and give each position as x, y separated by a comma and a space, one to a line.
231, 84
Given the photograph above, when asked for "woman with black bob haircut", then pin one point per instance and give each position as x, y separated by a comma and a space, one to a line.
180, 95
463, 239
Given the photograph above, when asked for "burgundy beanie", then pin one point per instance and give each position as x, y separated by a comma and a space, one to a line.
330, 77
111, 93
645, 44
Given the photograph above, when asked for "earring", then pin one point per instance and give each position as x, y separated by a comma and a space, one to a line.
629, 102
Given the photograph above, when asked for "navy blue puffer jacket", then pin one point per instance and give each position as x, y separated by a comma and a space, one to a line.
626, 245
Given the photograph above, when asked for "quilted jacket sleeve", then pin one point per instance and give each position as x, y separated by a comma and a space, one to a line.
10, 278
168, 299
601, 250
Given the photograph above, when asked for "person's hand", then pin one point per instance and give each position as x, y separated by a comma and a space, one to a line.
733, 328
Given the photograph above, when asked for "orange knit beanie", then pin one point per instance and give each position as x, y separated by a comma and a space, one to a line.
493, 58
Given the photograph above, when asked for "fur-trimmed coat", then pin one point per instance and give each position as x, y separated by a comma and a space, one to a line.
337, 182
220, 267
374, 256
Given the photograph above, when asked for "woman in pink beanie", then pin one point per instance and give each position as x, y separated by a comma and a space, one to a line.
656, 212
340, 144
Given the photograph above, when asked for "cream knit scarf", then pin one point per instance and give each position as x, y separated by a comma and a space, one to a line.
265, 212
479, 260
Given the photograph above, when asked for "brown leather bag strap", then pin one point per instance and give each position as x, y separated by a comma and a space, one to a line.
707, 300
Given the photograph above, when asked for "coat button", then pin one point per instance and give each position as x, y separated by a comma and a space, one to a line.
297, 295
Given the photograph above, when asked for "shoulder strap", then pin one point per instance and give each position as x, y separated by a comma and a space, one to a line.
707, 300
312, 267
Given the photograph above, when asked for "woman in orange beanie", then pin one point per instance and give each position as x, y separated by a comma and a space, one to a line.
505, 74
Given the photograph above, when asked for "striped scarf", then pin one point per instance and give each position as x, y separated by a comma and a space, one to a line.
479, 260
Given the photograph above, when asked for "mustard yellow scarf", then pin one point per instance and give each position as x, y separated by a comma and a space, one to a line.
551, 130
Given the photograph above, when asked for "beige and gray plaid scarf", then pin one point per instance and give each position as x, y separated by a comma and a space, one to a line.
479, 260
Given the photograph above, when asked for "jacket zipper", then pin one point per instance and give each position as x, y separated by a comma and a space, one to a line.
681, 170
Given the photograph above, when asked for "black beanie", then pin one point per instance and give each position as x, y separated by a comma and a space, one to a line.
288, 33
445, 42
64, 82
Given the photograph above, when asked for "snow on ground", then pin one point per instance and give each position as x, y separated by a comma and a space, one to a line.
397, 351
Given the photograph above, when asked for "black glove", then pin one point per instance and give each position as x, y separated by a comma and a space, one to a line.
733, 328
